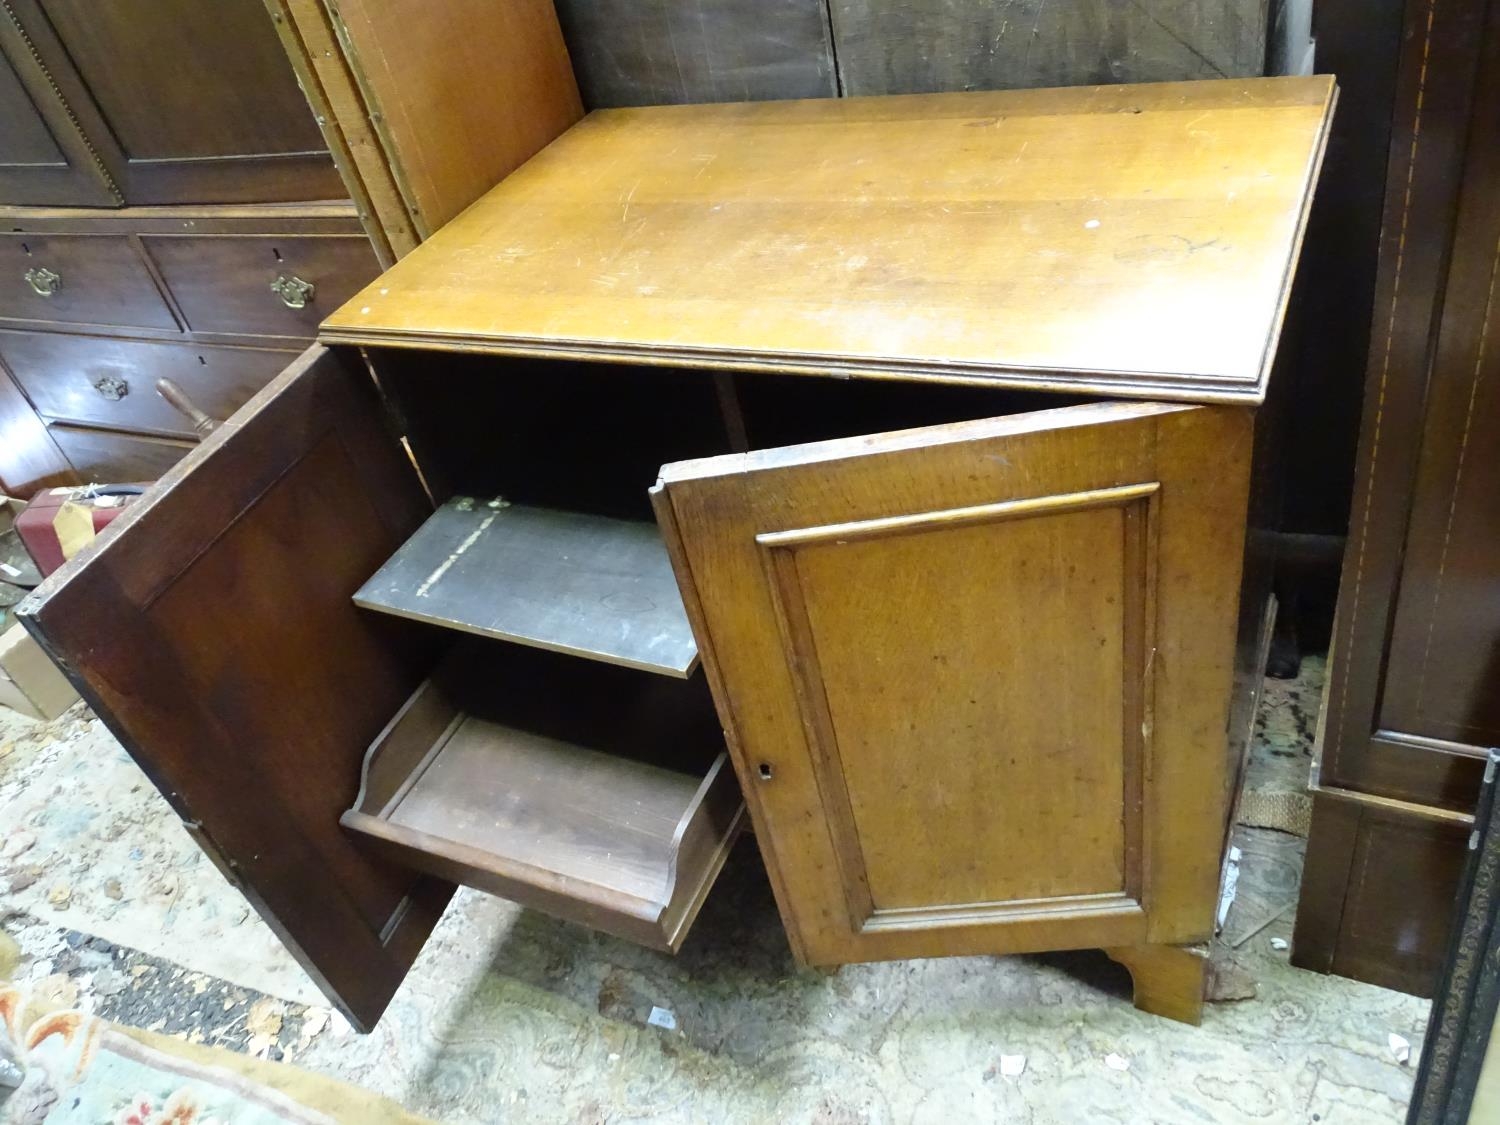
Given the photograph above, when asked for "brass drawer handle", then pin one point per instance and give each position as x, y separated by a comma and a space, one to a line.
111, 387
293, 291
43, 281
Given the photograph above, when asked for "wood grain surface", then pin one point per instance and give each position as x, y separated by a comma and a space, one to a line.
976, 677
1133, 240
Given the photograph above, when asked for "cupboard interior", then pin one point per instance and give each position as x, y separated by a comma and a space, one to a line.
565, 752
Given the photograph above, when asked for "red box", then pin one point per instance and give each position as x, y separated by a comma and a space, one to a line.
60, 522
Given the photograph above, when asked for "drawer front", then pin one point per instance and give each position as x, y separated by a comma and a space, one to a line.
106, 382
106, 457
79, 279
262, 285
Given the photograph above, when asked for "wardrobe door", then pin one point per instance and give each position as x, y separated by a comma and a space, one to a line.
184, 101
44, 160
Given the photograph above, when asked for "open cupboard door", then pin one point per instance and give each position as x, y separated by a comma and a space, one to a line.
976, 676
212, 629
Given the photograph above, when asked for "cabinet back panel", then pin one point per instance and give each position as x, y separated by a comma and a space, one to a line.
620, 711
793, 409
555, 434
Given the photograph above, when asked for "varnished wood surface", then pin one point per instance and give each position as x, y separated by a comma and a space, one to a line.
211, 628
588, 791
865, 607
593, 587
110, 455
1443, 675
1378, 891
1134, 240
29, 457
1169, 980
67, 377
459, 93
181, 102
43, 159
1411, 688
103, 282
222, 284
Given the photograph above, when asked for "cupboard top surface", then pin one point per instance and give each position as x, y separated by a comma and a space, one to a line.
1136, 240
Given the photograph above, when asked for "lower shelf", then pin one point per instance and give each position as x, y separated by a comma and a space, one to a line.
561, 824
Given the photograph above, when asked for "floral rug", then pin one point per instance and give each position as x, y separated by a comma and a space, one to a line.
66, 1067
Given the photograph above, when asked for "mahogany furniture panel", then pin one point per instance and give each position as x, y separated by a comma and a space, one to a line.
92, 352
79, 279
1409, 708
184, 102
260, 284
29, 457
103, 456
112, 383
262, 534
43, 157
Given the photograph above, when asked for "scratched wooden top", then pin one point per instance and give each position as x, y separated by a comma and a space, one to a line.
1134, 240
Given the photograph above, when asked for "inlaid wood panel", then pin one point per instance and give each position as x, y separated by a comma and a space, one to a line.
1443, 676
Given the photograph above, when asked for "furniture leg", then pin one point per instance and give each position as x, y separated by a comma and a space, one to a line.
1169, 979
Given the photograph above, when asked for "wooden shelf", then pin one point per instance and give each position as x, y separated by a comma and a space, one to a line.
585, 585
575, 830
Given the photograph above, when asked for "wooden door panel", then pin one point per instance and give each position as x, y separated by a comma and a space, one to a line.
43, 158
977, 676
186, 102
264, 684
1073, 563
1444, 655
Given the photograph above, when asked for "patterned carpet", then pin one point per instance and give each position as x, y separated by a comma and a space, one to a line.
510, 1015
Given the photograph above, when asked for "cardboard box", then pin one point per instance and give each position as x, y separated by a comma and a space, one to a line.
29, 682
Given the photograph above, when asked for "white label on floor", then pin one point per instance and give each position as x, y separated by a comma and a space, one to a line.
662, 1017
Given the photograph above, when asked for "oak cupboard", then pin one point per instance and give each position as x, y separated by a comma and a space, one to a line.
873, 470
